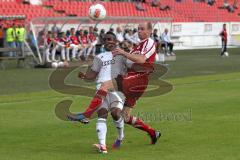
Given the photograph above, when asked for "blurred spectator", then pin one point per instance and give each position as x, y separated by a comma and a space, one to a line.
85, 42
111, 30
155, 36
74, 44
129, 36
68, 33
164, 7
48, 44
139, 6
20, 37
59, 45
1, 38
56, 46
210, 2
135, 36
78, 32
41, 37
65, 41
92, 42
156, 39
101, 36
167, 42
99, 45
227, 6
95, 30
55, 28
119, 34
223, 35
124, 33
10, 38
155, 3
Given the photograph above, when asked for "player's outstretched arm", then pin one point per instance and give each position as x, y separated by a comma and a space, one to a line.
137, 58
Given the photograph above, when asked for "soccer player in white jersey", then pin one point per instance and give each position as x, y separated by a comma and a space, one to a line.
105, 67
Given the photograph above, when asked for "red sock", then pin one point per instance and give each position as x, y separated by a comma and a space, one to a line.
95, 103
138, 123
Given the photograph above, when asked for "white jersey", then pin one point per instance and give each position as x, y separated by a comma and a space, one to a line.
108, 66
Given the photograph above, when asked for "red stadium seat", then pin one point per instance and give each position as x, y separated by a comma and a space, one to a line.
180, 12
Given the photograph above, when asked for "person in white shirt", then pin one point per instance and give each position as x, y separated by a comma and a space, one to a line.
119, 35
135, 36
106, 67
129, 36
167, 43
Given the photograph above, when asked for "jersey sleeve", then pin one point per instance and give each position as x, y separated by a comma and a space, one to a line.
97, 64
128, 63
149, 48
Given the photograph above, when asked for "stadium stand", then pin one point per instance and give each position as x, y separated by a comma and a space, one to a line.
185, 11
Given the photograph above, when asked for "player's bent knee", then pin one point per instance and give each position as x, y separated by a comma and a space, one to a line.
116, 113
102, 113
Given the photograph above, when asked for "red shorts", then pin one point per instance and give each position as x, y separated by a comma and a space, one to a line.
133, 86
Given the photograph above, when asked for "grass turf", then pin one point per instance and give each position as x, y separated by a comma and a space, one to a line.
199, 119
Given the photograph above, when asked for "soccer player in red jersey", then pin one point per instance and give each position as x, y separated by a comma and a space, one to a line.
223, 35
133, 84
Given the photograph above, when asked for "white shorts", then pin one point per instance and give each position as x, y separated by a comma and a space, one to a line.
113, 99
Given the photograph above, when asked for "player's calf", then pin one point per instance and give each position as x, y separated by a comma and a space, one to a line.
119, 123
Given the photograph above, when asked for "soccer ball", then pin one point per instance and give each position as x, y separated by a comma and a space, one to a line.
54, 64
60, 64
226, 54
97, 12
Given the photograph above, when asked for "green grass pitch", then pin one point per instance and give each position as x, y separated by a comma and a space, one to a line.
199, 119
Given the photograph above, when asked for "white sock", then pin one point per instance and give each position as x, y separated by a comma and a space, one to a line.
101, 128
120, 128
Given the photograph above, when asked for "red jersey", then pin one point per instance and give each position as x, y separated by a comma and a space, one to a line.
64, 40
92, 37
223, 34
74, 40
148, 49
56, 39
134, 83
84, 39
49, 41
